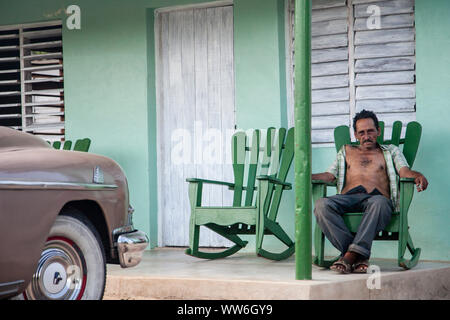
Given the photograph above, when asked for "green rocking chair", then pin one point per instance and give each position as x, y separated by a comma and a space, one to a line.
80, 145
256, 167
398, 226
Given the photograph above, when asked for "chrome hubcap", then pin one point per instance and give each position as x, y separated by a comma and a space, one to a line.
60, 274
54, 277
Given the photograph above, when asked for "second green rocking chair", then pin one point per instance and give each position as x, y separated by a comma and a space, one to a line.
260, 173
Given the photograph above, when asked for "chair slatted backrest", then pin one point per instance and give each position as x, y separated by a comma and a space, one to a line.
82, 145
67, 145
253, 155
341, 137
284, 163
396, 133
380, 138
56, 144
240, 147
267, 147
410, 142
270, 156
273, 152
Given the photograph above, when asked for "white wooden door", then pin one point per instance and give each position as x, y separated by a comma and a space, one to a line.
196, 116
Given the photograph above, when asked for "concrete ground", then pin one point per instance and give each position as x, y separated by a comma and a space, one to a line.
167, 273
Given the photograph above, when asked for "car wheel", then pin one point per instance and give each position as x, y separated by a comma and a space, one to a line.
72, 264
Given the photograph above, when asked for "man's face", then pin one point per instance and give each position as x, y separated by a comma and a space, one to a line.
366, 133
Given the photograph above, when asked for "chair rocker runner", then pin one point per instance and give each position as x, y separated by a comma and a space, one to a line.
260, 170
397, 228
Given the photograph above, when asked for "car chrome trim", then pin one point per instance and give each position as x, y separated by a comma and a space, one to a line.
60, 274
10, 287
98, 176
130, 247
55, 185
117, 232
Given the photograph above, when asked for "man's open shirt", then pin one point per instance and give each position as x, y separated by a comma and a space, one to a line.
395, 160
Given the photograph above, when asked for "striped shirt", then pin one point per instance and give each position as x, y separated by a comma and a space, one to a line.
395, 160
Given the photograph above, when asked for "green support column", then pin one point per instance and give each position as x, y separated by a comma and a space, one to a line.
302, 114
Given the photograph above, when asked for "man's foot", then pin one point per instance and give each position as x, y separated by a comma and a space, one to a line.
361, 266
342, 266
352, 257
351, 262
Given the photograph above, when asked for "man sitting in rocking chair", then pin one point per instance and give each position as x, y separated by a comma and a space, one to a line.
366, 182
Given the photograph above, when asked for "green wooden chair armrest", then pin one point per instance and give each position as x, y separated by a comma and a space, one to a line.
223, 183
406, 192
286, 185
330, 184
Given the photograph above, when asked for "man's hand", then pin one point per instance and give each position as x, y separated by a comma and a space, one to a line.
421, 182
419, 179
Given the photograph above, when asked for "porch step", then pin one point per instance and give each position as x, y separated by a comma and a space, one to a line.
170, 274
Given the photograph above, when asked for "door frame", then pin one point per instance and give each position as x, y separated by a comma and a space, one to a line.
212, 4
157, 12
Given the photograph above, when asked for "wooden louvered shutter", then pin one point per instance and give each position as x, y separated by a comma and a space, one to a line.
31, 79
355, 66
385, 61
10, 94
330, 68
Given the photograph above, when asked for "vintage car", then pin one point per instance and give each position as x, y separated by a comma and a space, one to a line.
63, 216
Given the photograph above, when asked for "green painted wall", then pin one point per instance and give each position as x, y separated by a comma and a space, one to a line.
430, 213
259, 63
110, 96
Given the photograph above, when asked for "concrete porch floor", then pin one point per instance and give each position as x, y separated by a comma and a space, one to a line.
167, 273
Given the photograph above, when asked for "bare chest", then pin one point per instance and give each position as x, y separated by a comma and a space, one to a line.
368, 162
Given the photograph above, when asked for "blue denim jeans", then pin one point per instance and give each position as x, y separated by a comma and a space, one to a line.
377, 211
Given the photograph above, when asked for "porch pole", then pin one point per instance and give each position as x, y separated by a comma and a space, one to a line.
302, 116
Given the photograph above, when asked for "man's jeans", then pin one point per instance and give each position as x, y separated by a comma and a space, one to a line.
377, 211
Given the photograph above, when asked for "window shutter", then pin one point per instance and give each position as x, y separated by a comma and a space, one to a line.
32, 82
355, 66
10, 103
329, 68
385, 61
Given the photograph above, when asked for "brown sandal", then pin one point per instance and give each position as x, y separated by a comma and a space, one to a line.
347, 268
358, 267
